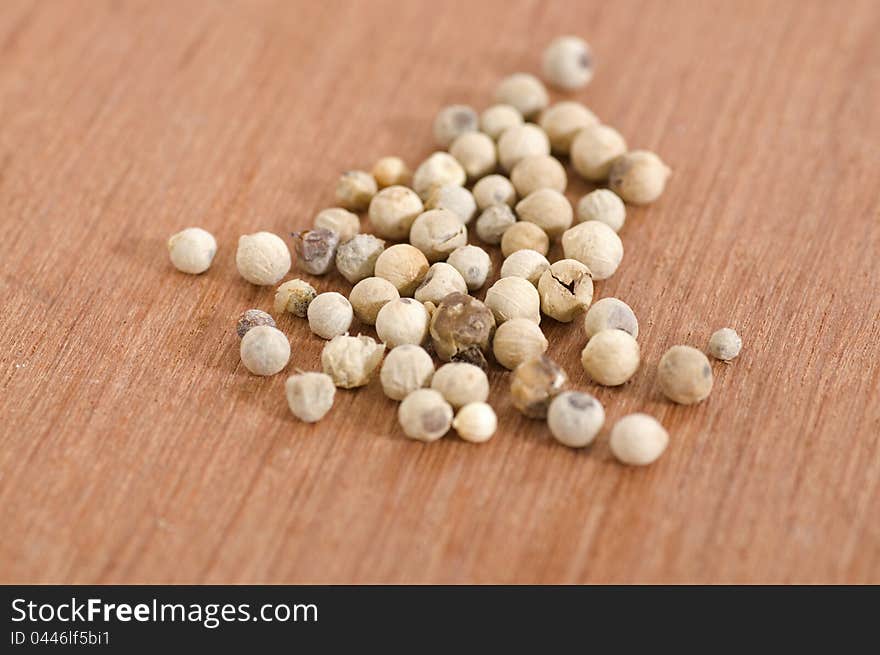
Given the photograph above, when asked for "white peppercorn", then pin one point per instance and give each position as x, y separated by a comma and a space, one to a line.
456, 199
441, 280
684, 375
604, 206
461, 383
575, 418
475, 152
519, 142
402, 321
611, 357
310, 395
475, 422
370, 295
294, 296
336, 219
461, 329
638, 439
474, 265
393, 210
538, 172
568, 62
391, 171
497, 118
526, 263
725, 344
639, 177
424, 415
355, 189
192, 250
548, 209
593, 150
440, 169
437, 232
251, 318
330, 314
518, 340
566, 289
524, 235
514, 297
563, 121
610, 314
351, 361
596, 245
403, 265
453, 121
262, 258
264, 350
493, 223
405, 369
356, 258
534, 384
524, 92
494, 190
315, 249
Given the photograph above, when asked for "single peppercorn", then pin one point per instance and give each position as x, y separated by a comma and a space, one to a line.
494, 190
514, 297
440, 169
391, 171
474, 265
336, 219
475, 152
356, 259
315, 249
604, 206
355, 189
262, 258
610, 314
294, 296
725, 344
526, 263
402, 321
456, 199
493, 223
405, 369
575, 418
370, 295
497, 118
424, 415
461, 329
518, 340
403, 265
548, 209
461, 383
264, 350
563, 121
568, 62
566, 289
441, 280
437, 232
524, 92
595, 245
538, 172
519, 142
639, 177
638, 439
594, 149
330, 314
534, 384
393, 210
453, 121
524, 235
684, 375
192, 250
475, 422
611, 357
351, 361
251, 318
310, 395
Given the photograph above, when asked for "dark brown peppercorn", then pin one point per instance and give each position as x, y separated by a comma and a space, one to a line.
461, 329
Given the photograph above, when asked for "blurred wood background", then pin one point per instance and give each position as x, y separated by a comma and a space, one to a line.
135, 448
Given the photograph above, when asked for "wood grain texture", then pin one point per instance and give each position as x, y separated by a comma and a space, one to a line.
135, 448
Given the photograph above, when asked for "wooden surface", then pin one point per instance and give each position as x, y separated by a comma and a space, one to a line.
136, 448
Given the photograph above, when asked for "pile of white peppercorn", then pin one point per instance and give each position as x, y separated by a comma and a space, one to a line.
501, 171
